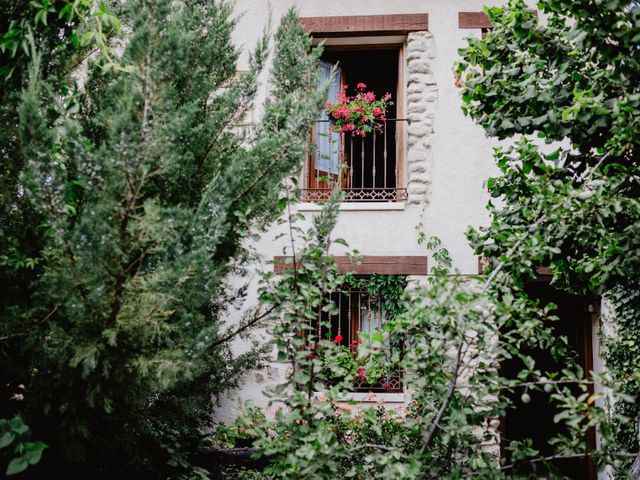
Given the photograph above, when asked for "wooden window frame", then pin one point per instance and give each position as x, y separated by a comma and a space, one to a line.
351, 303
309, 167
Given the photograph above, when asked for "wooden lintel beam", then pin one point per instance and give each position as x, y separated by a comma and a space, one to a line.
360, 25
473, 20
386, 265
477, 20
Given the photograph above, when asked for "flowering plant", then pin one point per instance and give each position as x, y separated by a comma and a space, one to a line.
357, 114
339, 361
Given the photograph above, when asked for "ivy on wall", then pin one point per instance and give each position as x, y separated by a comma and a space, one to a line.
390, 289
621, 352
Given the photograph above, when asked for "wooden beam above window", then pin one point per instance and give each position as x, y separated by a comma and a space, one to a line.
477, 20
473, 20
361, 25
541, 272
384, 265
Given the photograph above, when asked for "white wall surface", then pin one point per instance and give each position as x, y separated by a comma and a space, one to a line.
459, 157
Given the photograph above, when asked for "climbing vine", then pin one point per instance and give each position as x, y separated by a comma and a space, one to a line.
389, 288
621, 351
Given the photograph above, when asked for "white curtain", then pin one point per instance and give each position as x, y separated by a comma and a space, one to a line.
327, 143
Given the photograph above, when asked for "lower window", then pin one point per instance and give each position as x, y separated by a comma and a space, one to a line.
358, 321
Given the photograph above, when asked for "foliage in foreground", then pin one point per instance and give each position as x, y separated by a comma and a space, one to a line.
132, 196
456, 332
15, 446
573, 209
572, 206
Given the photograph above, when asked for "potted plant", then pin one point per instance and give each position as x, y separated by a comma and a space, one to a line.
357, 114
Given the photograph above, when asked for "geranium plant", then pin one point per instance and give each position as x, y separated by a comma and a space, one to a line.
357, 114
341, 361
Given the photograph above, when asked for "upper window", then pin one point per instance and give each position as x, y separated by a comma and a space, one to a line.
366, 164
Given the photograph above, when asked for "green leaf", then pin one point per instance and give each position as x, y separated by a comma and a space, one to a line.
33, 452
18, 426
7, 439
17, 465
75, 41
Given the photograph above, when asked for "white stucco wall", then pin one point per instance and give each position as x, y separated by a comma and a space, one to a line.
447, 159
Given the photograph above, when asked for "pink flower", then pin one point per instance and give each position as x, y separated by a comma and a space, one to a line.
377, 111
361, 85
361, 372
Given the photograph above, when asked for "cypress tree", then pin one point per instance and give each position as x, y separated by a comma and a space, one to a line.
146, 188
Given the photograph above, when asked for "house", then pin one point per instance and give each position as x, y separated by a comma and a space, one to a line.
426, 165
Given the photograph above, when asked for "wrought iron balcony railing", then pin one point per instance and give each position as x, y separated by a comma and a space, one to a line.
368, 169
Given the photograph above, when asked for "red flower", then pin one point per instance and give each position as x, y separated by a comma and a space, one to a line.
338, 339
355, 114
361, 372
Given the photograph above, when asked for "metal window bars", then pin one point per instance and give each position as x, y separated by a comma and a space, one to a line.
358, 311
367, 169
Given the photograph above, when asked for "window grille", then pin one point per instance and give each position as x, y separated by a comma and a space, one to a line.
366, 168
359, 311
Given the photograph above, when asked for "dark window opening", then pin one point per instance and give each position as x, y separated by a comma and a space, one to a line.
367, 168
534, 420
